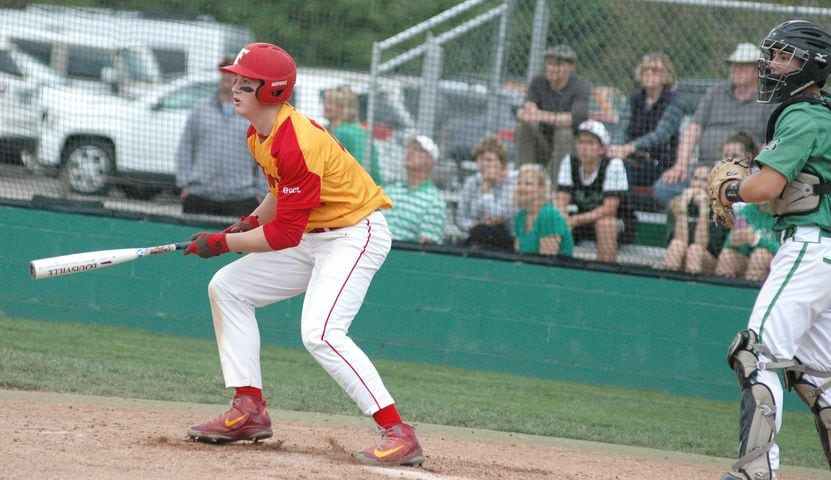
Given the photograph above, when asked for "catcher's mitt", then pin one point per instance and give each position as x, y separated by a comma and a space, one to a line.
723, 171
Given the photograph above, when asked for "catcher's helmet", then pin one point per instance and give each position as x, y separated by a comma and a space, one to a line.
803, 40
269, 63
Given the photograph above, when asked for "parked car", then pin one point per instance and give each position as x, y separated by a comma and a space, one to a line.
179, 46
465, 112
95, 140
21, 77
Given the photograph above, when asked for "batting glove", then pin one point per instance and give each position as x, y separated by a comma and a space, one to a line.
207, 245
245, 224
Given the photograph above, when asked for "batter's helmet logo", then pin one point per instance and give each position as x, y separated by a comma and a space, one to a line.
240, 55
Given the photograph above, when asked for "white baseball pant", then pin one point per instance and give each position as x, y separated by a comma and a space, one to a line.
793, 313
334, 269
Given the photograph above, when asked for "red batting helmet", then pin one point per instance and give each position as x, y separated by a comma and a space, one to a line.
272, 65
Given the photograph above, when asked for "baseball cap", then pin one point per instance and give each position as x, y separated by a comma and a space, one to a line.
560, 52
595, 128
427, 144
745, 53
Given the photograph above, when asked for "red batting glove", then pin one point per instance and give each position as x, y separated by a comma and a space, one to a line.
207, 245
245, 224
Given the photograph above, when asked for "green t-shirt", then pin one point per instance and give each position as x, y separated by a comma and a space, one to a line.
549, 222
762, 223
353, 138
802, 142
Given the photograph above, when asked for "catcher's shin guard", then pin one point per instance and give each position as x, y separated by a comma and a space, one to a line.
757, 422
809, 393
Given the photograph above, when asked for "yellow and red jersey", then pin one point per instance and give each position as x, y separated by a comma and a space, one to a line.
307, 169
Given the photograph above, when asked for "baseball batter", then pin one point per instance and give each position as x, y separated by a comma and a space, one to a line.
319, 231
790, 325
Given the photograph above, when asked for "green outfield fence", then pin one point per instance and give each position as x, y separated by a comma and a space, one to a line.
536, 319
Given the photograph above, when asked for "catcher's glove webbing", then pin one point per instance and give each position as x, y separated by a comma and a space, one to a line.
725, 170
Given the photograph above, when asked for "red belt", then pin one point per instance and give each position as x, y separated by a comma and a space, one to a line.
324, 229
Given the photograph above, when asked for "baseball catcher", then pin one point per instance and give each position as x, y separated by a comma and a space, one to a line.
789, 324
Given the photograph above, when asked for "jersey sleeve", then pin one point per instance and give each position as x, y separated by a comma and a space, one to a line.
300, 186
616, 180
792, 144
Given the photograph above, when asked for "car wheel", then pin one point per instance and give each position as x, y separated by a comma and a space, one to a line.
87, 166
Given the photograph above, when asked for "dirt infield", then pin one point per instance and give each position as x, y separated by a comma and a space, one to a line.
62, 436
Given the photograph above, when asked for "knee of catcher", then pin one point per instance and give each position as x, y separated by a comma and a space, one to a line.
809, 393
794, 379
742, 358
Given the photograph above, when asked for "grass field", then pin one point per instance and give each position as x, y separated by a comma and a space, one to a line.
96, 360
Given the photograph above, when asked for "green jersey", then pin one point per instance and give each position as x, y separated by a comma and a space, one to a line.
802, 142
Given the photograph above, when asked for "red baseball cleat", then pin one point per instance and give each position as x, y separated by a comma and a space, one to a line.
398, 446
247, 419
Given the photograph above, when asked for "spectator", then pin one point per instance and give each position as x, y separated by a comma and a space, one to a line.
751, 243
215, 172
486, 210
750, 246
419, 212
694, 241
724, 110
556, 101
592, 193
539, 227
340, 108
647, 135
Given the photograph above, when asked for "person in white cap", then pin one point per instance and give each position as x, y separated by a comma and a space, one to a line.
592, 193
419, 211
725, 110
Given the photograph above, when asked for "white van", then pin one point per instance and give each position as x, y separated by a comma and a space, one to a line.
94, 63
21, 77
179, 47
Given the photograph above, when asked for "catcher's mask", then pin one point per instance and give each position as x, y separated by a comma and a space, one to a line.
807, 47
271, 64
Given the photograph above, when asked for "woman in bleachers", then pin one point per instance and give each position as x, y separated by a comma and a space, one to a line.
647, 135
539, 227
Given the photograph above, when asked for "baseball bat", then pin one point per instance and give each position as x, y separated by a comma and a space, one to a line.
86, 261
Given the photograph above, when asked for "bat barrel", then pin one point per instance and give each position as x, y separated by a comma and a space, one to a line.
87, 261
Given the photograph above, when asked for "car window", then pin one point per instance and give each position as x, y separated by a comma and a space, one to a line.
36, 71
8, 65
40, 51
171, 62
185, 97
140, 65
87, 62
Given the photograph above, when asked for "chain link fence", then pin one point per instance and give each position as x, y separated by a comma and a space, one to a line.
94, 104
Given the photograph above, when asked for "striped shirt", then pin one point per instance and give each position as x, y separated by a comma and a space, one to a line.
416, 213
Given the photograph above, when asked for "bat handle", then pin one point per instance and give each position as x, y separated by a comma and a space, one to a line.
182, 245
